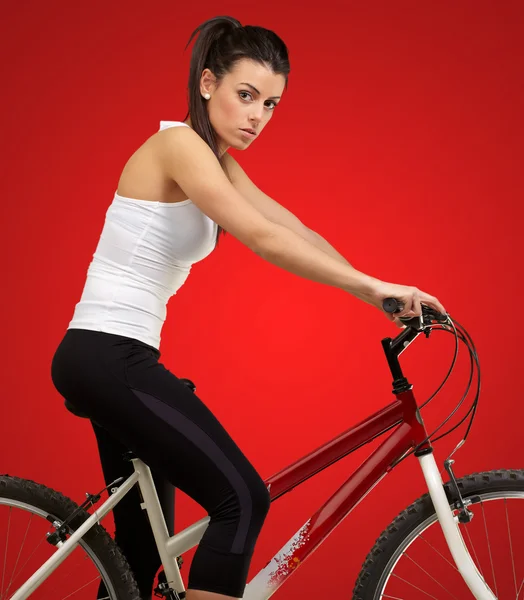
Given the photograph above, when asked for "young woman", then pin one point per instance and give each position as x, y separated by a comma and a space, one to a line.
177, 193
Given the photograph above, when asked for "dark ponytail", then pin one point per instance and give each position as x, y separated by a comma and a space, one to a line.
222, 42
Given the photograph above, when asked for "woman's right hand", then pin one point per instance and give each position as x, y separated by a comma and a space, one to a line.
410, 296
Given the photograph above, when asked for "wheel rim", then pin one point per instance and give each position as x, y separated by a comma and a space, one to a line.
499, 534
74, 578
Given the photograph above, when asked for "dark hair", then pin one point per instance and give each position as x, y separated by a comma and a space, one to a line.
222, 42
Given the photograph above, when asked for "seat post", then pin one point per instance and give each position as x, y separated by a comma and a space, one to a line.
151, 504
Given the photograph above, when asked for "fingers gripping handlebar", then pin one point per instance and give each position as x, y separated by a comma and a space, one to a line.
392, 305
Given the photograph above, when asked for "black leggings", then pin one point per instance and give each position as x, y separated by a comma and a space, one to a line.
136, 404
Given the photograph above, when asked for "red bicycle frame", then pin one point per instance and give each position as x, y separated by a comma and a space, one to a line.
410, 432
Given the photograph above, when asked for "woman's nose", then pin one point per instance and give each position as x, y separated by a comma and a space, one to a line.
257, 115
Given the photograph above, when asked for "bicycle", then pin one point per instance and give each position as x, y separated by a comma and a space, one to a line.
452, 505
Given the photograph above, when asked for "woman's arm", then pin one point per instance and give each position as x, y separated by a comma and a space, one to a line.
273, 211
189, 161
317, 240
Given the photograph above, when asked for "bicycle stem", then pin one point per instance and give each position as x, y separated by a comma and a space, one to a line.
393, 349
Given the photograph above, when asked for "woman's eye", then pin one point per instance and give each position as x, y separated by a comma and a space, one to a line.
247, 94
242, 94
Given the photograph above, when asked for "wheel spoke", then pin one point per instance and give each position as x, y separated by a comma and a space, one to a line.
520, 589
489, 547
57, 583
5, 557
511, 548
22, 567
430, 576
19, 555
414, 586
65, 575
474, 551
81, 588
439, 553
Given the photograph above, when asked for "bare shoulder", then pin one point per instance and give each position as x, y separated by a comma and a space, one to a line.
178, 139
145, 174
190, 162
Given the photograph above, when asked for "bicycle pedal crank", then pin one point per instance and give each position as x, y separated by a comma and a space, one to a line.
163, 590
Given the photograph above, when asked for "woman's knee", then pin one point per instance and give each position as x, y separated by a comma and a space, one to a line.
261, 498
254, 498
259, 508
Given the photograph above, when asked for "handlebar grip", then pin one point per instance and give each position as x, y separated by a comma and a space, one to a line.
392, 305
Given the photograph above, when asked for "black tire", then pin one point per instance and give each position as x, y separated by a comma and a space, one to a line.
96, 541
377, 563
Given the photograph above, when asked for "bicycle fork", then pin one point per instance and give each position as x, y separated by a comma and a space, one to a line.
450, 527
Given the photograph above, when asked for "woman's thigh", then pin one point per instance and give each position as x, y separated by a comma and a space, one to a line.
125, 389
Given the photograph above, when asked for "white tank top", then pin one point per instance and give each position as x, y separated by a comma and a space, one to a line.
143, 257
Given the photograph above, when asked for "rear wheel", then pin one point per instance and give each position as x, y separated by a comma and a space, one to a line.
411, 560
28, 511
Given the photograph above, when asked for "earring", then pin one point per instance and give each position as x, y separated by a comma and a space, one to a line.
207, 96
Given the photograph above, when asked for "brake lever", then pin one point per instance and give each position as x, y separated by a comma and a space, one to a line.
416, 323
425, 319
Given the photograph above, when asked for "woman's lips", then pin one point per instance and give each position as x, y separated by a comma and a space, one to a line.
248, 134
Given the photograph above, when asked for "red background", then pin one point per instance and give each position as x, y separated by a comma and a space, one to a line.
399, 140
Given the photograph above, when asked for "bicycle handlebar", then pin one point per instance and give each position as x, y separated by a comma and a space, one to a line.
392, 305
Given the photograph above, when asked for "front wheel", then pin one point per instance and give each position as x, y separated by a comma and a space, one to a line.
411, 560
95, 569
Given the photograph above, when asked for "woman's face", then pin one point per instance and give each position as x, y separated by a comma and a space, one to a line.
245, 98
